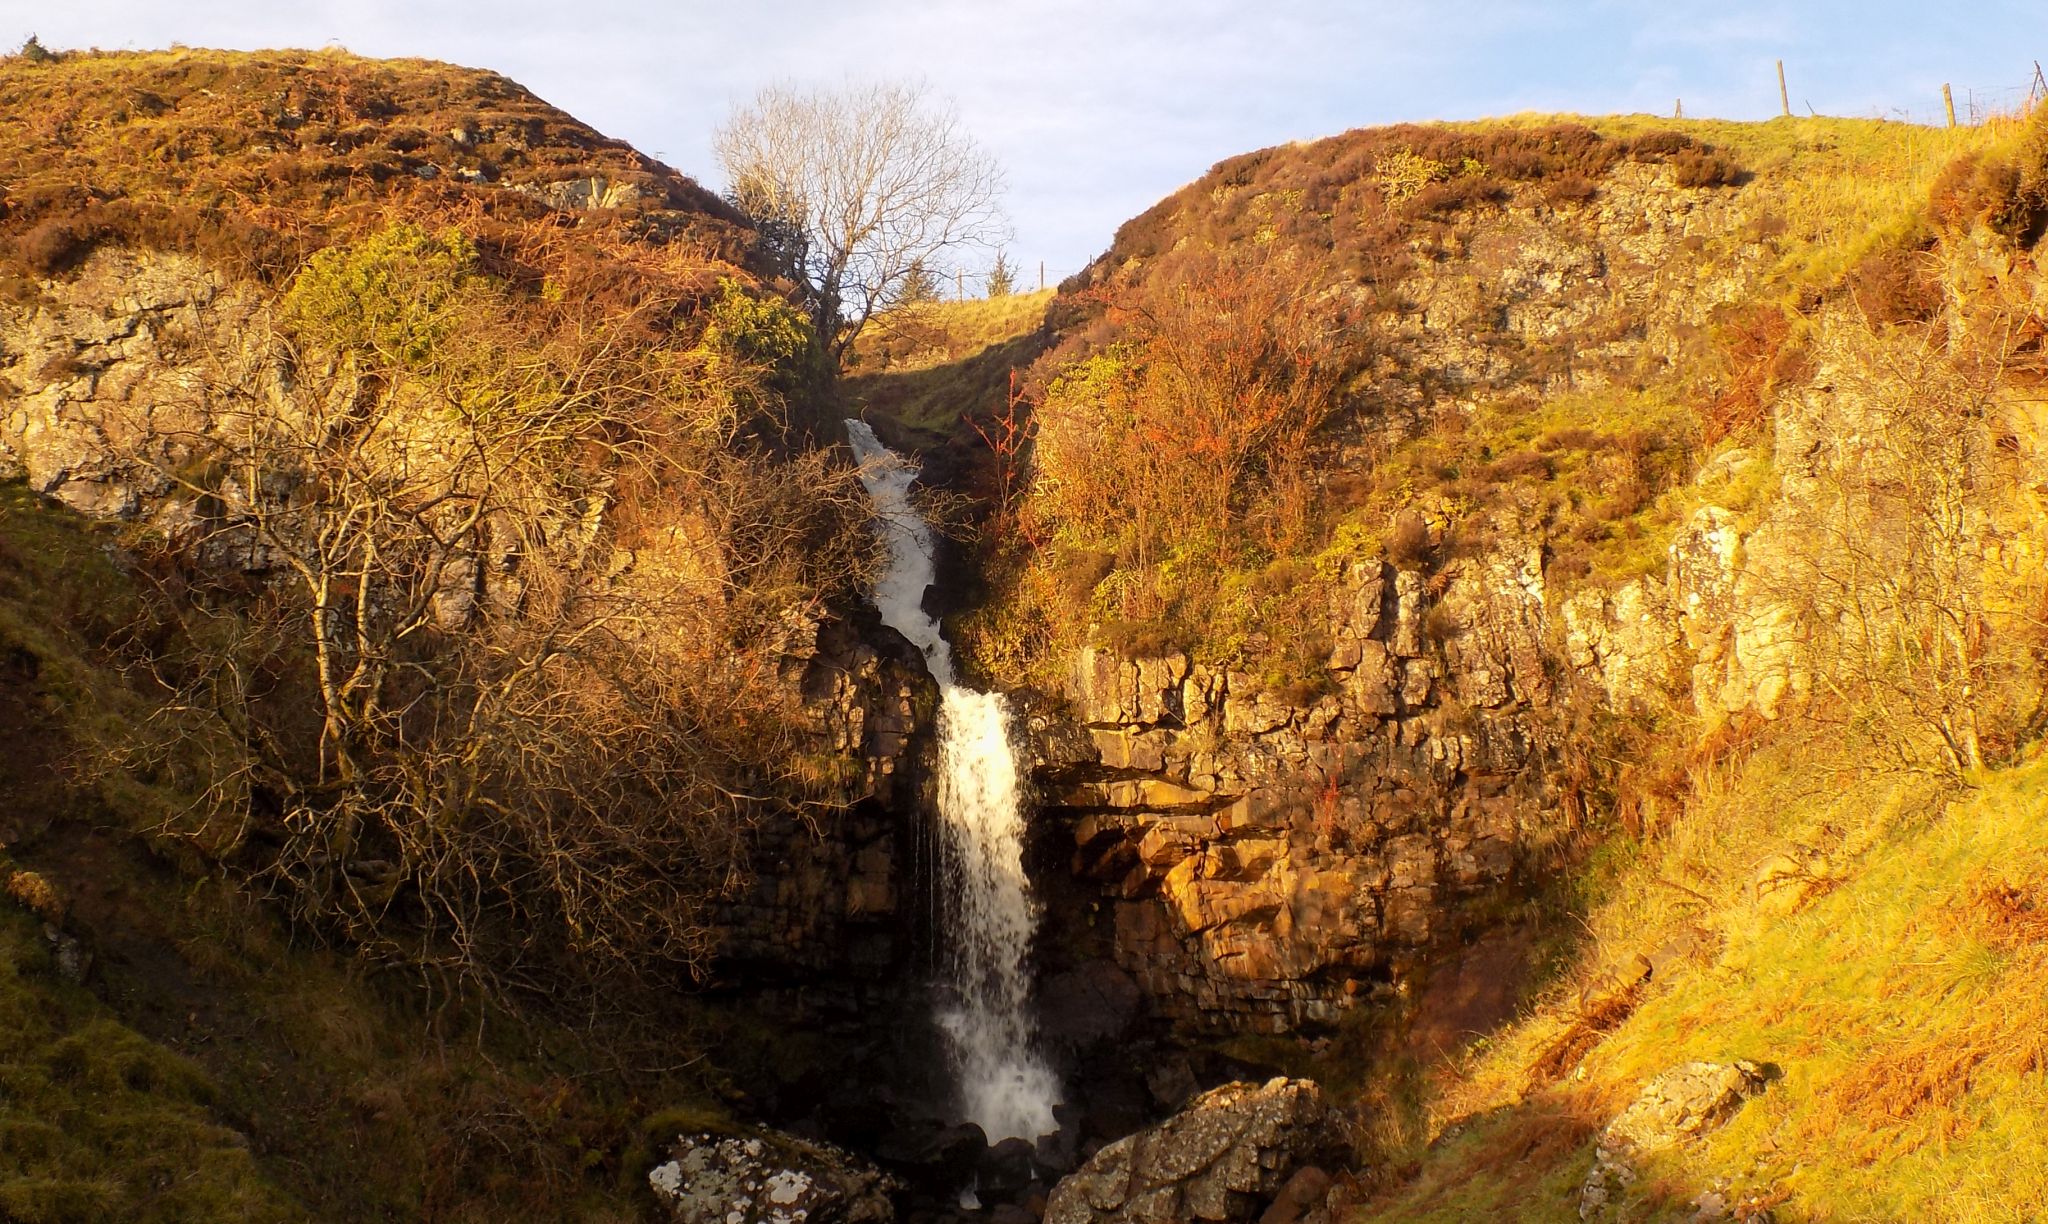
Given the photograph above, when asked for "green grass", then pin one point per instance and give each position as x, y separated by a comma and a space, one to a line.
1901, 999
224, 1065
99, 1123
925, 367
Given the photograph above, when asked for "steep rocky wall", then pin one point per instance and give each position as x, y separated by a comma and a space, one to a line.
1271, 863
1269, 859
101, 372
828, 902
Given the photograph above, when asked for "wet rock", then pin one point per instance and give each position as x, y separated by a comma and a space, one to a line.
933, 1155
1060, 1152
72, 957
1005, 1170
1226, 1157
768, 1178
1115, 1103
1674, 1109
1094, 1002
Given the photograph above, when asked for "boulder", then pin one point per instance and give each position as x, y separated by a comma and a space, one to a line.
1006, 1169
768, 1178
1677, 1107
1226, 1157
933, 1155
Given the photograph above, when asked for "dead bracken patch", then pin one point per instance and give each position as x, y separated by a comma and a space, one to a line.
2007, 909
35, 894
1596, 1018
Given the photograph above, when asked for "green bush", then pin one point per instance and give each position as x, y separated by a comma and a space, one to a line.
394, 298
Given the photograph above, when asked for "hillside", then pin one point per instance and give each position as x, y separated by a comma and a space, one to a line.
257, 161
1553, 602
421, 594
1522, 644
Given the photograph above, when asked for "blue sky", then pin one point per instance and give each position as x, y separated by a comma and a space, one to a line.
1098, 108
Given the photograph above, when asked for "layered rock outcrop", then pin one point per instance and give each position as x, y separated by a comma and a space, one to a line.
1271, 861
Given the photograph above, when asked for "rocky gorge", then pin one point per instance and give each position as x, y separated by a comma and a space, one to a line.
1609, 495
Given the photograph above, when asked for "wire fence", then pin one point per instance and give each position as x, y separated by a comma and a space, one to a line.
1968, 106
1964, 106
964, 283
1971, 106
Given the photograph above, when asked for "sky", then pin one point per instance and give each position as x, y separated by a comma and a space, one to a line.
1098, 108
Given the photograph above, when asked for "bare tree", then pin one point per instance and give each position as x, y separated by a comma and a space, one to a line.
1898, 561
486, 665
852, 189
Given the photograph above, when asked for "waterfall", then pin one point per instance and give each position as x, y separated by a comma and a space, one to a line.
1005, 1087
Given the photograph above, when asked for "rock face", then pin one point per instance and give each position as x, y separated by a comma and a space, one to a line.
106, 358
768, 1179
832, 902
1268, 861
109, 379
1677, 1107
1226, 1157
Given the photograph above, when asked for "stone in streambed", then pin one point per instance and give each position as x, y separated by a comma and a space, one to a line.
1227, 1157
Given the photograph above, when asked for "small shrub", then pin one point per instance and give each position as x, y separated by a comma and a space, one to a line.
1575, 438
1408, 540
395, 296
1703, 167
35, 894
1442, 200
1569, 188
1519, 466
2006, 197
36, 53
1403, 174
1656, 146
1760, 351
1894, 286
54, 246
1081, 570
1440, 624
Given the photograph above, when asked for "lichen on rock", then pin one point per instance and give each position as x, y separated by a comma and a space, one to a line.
768, 1178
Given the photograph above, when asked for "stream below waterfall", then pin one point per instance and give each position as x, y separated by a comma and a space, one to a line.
989, 916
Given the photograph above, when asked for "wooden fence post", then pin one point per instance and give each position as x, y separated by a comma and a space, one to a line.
1784, 99
1041, 275
1948, 103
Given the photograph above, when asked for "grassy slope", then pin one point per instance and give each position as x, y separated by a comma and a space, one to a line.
1898, 989
97, 1122
1879, 938
922, 368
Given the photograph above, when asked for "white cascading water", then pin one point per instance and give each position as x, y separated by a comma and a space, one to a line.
1005, 1087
